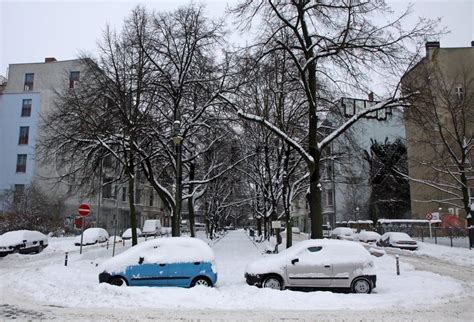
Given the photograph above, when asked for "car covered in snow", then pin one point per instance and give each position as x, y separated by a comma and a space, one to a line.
92, 236
397, 239
345, 233
23, 242
127, 234
316, 263
367, 236
167, 261
151, 227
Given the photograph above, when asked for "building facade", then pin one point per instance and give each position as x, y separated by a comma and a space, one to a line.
439, 130
26, 95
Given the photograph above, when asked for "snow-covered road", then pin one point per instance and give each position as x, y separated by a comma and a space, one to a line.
40, 286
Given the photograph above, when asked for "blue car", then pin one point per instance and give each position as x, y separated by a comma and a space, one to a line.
174, 261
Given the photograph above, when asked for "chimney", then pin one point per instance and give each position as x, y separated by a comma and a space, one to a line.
49, 60
371, 97
431, 46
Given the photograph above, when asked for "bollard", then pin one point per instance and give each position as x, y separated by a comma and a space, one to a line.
398, 264
422, 237
451, 237
107, 244
436, 237
65, 259
123, 241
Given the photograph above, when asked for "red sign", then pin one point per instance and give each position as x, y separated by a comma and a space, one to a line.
84, 210
429, 216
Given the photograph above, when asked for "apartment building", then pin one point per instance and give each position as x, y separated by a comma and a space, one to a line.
26, 95
439, 130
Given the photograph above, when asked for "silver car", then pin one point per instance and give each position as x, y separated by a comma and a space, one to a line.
316, 263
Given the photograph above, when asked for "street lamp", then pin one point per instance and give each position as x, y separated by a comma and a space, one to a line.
177, 139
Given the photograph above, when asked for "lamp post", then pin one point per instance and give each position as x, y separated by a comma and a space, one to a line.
177, 139
356, 213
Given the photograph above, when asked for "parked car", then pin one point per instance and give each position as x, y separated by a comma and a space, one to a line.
92, 236
368, 236
345, 233
397, 239
167, 261
316, 263
23, 242
151, 227
127, 234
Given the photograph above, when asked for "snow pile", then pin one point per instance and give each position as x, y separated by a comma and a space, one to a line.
163, 251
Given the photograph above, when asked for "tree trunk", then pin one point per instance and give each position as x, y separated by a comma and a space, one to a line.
178, 197
131, 200
191, 201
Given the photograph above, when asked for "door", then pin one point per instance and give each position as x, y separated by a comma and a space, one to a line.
182, 274
308, 269
148, 274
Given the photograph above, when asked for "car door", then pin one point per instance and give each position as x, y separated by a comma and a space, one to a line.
149, 274
182, 274
309, 269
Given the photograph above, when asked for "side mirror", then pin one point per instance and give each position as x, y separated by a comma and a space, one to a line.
140, 260
296, 260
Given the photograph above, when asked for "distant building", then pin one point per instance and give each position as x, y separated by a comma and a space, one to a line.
444, 79
26, 95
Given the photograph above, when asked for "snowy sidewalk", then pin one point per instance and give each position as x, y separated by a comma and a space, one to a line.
233, 252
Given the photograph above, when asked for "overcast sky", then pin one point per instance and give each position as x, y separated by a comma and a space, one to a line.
33, 30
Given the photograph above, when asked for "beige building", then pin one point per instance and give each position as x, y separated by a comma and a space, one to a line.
439, 131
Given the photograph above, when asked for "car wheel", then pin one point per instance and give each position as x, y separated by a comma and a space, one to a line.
118, 281
272, 282
203, 281
361, 285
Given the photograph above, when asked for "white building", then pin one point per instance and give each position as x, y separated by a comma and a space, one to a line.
25, 96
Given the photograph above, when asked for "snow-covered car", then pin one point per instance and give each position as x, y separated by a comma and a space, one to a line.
167, 261
151, 227
23, 242
345, 233
367, 236
397, 239
92, 236
316, 263
127, 234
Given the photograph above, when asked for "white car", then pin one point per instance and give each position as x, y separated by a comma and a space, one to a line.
127, 234
368, 236
345, 233
397, 239
316, 263
92, 236
23, 242
151, 227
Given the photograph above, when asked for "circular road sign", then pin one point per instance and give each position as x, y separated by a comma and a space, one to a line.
429, 216
84, 210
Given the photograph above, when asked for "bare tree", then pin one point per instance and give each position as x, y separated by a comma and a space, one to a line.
334, 43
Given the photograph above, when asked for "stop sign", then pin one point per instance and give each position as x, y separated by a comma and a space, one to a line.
84, 210
429, 216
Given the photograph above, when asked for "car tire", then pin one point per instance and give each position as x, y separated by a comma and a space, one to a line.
118, 281
273, 282
202, 281
361, 285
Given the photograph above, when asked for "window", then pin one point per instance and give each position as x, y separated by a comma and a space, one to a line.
124, 194
26, 108
18, 192
151, 199
21, 163
459, 93
329, 195
29, 79
74, 79
138, 196
24, 131
107, 188
315, 249
471, 195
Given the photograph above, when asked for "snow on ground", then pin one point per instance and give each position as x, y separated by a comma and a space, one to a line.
76, 285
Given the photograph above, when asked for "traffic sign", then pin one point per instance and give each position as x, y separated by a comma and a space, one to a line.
429, 216
84, 210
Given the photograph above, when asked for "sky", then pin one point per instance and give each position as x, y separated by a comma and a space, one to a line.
35, 29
